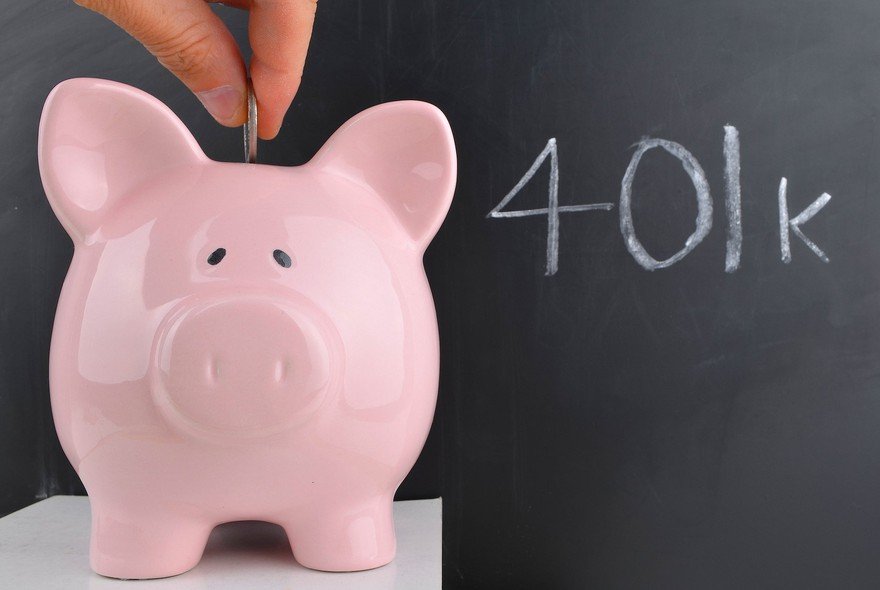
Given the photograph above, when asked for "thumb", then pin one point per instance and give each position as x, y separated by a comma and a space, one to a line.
193, 43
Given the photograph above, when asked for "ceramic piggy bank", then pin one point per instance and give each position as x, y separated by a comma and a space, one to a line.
238, 341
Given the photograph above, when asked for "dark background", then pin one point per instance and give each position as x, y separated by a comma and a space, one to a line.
607, 427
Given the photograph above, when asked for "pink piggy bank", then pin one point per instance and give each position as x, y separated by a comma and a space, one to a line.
240, 341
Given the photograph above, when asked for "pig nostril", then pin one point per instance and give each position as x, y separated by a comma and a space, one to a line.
213, 371
281, 369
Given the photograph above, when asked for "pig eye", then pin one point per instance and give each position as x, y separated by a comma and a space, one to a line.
282, 258
216, 256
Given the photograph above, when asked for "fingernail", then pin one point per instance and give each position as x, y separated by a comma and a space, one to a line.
222, 102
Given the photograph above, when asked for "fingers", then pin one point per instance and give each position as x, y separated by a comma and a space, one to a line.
193, 43
279, 32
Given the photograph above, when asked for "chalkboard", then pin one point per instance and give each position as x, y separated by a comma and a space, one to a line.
657, 287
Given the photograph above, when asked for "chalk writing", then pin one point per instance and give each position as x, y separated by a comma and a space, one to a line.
703, 223
704, 204
786, 224
552, 210
733, 200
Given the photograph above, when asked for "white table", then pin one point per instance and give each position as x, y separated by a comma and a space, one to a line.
46, 546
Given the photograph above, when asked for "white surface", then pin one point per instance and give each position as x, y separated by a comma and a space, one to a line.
46, 546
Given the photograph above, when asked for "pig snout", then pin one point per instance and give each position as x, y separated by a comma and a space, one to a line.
241, 367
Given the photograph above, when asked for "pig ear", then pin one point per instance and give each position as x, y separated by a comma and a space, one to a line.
99, 141
404, 151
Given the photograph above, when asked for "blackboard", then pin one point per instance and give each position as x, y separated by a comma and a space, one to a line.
603, 421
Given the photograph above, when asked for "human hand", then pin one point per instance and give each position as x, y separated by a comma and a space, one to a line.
194, 44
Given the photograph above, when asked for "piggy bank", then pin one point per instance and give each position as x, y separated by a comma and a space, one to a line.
239, 341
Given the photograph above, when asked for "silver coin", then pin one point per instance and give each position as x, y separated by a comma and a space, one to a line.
250, 127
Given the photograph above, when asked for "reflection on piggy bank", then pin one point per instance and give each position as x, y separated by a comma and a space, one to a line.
239, 341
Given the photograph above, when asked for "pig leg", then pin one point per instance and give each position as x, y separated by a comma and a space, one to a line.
343, 537
141, 542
